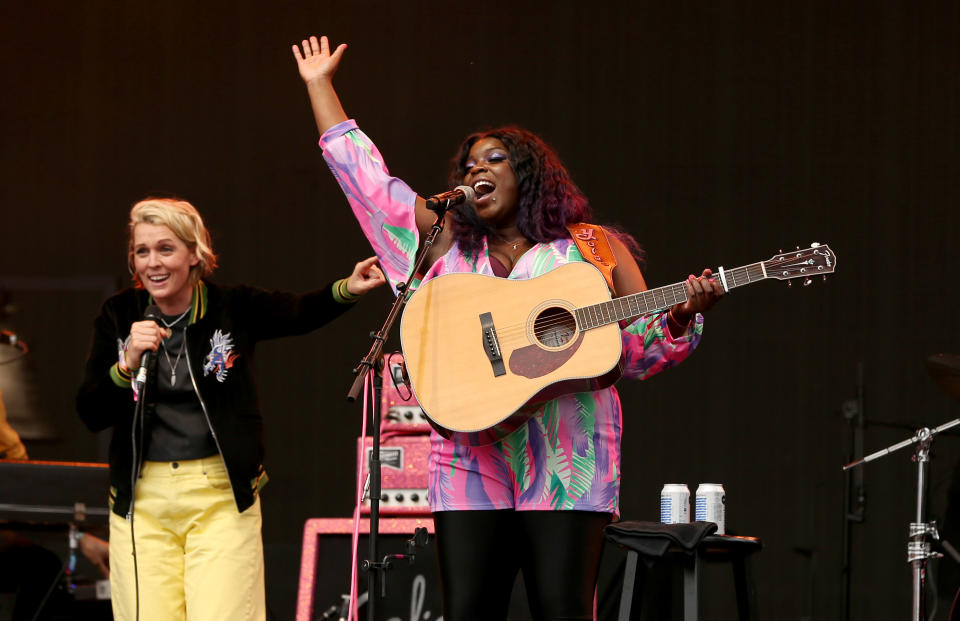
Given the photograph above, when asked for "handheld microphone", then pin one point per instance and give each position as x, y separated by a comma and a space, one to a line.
445, 200
152, 312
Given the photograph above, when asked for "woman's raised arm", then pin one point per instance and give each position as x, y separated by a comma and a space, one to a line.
317, 67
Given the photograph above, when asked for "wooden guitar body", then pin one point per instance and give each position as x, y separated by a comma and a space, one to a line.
482, 351
455, 325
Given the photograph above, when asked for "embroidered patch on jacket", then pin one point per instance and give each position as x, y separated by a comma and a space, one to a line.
221, 355
122, 349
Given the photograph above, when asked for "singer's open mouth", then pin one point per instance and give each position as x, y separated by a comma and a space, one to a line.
483, 187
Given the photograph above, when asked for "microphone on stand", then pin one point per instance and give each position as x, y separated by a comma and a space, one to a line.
152, 312
440, 203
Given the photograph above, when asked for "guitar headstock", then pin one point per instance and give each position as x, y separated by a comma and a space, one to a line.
817, 260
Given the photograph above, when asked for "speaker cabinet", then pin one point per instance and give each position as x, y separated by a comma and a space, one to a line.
413, 590
404, 460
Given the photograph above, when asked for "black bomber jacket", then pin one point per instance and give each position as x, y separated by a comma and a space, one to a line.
225, 325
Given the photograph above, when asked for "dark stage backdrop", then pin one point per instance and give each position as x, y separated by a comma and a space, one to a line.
717, 133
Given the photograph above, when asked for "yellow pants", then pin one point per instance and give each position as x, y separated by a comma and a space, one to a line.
198, 559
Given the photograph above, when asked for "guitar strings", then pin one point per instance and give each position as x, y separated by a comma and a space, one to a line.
509, 332
605, 311
621, 307
605, 316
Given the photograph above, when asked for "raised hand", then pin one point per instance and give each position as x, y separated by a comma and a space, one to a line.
315, 61
366, 276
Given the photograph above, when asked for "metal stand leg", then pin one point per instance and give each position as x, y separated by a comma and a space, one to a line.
691, 588
746, 589
918, 548
629, 581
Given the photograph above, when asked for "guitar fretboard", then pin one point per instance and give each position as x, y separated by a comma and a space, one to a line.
654, 300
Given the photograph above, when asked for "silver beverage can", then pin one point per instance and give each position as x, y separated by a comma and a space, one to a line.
675, 503
710, 505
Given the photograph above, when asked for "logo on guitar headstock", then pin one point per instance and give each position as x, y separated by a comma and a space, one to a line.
816, 260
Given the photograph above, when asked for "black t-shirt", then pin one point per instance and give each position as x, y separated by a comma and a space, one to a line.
179, 430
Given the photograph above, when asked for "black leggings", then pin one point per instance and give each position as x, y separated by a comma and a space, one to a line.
480, 553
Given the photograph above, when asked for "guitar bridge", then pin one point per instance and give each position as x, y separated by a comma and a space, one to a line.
491, 345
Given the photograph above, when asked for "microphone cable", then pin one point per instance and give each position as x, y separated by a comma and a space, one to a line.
136, 446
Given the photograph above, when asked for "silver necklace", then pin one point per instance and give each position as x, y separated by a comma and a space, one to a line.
173, 365
176, 363
513, 244
177, 320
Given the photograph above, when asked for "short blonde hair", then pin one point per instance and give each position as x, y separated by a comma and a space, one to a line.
184, 220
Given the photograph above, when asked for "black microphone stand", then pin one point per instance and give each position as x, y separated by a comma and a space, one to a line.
368, 364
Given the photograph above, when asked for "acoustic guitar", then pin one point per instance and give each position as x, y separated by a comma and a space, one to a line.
482, 351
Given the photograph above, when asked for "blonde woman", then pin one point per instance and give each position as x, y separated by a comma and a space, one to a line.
197, 457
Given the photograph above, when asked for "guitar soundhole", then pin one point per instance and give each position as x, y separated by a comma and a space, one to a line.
554, 327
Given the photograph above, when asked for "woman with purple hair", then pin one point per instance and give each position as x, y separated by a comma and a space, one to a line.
537, 500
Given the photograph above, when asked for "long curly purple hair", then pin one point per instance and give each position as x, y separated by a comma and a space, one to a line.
549, 200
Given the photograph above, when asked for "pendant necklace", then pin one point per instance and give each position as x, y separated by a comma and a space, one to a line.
176, 363
173, 365
513, 244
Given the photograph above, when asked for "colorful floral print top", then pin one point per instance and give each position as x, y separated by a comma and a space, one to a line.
566, 456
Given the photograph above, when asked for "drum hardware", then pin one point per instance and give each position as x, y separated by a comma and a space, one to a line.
945, 371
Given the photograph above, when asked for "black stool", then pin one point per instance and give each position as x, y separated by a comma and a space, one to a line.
686, 545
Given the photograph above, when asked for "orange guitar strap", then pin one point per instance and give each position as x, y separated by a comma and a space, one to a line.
592, 243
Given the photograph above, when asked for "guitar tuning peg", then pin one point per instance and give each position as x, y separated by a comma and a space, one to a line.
781, 251
789, 284
824, 278
798, 247
807, 282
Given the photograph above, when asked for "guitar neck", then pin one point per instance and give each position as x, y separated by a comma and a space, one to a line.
653, 300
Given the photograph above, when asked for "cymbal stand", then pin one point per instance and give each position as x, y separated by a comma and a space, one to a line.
918, 547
